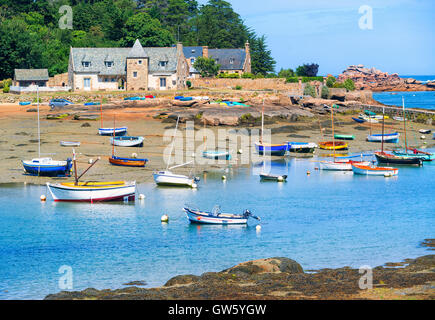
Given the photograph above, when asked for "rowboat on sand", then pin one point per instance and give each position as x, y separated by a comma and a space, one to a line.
216, 154
70, 143
269, 148
127, 162
217, 217
127, 141
121, 131
330, 145
301, 147
387, 137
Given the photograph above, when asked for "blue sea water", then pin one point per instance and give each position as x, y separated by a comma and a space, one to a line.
325, 219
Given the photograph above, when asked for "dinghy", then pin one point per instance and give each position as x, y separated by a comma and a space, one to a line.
47, 167
273, 177
344, 136
217, 154
24, 103
127, 141
217, 217
93, 191
127, 162
340, 165
70, 143
387, 138
301, 147
425, 131
374, 171
330, 145
358, 120
120, 131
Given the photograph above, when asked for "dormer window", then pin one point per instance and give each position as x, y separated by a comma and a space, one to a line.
139, 62
231, 60
86, 64
163, 63
109, 64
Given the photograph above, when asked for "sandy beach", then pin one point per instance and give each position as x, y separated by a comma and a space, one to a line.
19, 139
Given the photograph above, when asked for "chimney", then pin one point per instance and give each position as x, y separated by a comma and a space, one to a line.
179, 47
205, 51
247, 48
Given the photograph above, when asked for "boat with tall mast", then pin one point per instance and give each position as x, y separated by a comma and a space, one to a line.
45, 166
383, 157
269, 148
344, 165
168, 178
120, 131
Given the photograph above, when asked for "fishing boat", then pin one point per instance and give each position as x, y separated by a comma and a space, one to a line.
330, 145
127, 162
344, 136
93, 191
168, 178
387, 138
45, 166
358, 120
272, 177
374, 170
383, 157
218, 154
217, 217
127, 141
269, 148
70, 143
425, 156
301, 147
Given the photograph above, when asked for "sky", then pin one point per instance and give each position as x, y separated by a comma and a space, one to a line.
327, 32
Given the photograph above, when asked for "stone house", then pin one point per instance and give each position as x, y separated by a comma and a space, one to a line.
30, 77
132, 69
231, 60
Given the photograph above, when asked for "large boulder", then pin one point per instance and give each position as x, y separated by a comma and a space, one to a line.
270, 265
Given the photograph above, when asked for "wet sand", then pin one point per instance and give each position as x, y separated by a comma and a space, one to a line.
18, 140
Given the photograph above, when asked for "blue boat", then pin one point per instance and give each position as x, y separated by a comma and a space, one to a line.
121, 131
178, 97
216, 154
358, 120
134, 98
48, 167
92, 104
24, 103
387, 137
186, 99
414, 153
272, 149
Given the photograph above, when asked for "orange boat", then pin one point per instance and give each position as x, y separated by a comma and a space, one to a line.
331, 145
127, 162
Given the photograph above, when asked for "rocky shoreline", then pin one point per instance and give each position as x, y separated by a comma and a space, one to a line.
282, 278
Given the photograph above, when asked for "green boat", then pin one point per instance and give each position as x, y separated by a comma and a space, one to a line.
344, 136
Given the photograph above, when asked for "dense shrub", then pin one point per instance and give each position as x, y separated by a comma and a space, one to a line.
309, 90
325, 92
338, 85
330, 81
304, 79
228, 75
5, 89
286, 73
188, 84
248, 75
238, 87
349, 84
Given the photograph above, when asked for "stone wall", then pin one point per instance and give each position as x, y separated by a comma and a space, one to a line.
59, 80
248, 84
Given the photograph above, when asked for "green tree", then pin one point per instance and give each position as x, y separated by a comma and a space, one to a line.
307, 70
261, 57
309, 90
286, 73
349, 84
207, 67
148, 30
330, 81
325, 92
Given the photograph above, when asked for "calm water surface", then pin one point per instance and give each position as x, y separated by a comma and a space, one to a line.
325, 219
413, 99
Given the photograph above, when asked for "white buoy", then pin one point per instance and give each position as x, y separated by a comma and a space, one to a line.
193, 155
194, 185
258, 227
280, 178
141, 196
423, 137
90, 161
43, 198
134, 155
164, 218
224, 177
240, 151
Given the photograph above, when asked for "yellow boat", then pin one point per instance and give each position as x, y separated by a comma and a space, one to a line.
330, 145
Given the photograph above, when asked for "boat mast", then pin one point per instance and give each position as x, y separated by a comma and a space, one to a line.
173, 142
262, 123
39, 129
113, 140
383, 125
101, 113
75, 167
333, 135
404, 124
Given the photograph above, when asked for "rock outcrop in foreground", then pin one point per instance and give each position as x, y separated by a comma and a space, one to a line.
283, 278
376, 80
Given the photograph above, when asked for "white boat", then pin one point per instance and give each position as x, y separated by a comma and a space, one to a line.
218, 154
70, 143
93, 191
216, 217
111, 131
127, 141
387, 137
340, 165
397, 118
368, 119
167, 178
374, 171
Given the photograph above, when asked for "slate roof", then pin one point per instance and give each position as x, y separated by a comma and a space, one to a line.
98, 56
31, 74
192, 52
229, 59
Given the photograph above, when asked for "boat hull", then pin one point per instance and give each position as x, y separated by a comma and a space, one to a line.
124, 141
167, 178
330, 145
388, 138
91, 193
344, 137
426, 156
217, 155
391, 158
208, 218
122, 131
358, 120
270, 177
127, 162
70, 144
272, 149
374, 171
301, 147
340, 165
48, 168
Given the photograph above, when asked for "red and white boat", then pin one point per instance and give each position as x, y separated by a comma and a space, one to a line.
345, 165
93, 191
374, 171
